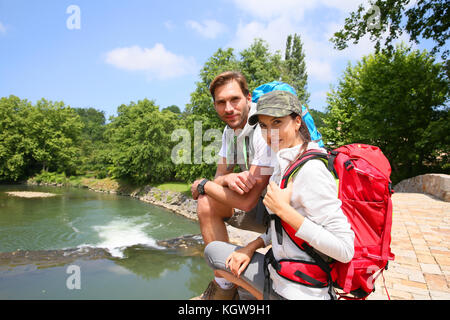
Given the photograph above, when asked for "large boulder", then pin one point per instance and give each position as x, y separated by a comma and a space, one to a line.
435, 184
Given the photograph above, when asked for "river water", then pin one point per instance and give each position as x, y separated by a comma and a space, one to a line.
82, 244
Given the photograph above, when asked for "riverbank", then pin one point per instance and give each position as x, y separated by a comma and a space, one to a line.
176, 201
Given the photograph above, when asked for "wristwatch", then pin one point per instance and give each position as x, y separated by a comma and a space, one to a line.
201, 186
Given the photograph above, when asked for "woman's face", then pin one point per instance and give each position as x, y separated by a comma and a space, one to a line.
280, 133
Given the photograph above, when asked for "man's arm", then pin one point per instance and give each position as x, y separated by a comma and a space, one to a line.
245, 201
220, 177
221, 172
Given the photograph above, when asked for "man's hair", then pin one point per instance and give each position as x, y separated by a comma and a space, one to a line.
226, 77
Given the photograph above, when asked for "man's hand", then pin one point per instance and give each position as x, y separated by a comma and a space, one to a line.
194, 190
241, 182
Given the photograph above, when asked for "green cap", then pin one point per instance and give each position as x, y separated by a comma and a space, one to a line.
276, 104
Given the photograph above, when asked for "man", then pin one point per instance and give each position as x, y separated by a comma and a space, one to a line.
242, 145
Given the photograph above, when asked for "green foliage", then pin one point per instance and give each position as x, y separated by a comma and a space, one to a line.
51, 177
173, 108
45, 136
427, 19
93, 143
258, 65
15, 145
398, 102
56, 131
295, 67
319, 118
140, 143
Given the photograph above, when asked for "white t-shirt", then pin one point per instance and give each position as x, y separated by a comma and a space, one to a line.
251, 147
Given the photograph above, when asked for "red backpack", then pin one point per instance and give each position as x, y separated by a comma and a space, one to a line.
365, 191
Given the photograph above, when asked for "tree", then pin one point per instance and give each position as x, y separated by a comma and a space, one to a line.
140, 138
427, 19
173, 108
93, 143
14, 141
55, 130
319, 118
295, 67
398, 102
259, 65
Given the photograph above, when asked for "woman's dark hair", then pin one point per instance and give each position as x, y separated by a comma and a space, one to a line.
304, 132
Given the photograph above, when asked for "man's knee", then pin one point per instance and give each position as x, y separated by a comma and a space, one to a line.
209, 208
204, 209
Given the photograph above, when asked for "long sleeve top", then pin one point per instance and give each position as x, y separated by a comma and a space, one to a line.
325, 227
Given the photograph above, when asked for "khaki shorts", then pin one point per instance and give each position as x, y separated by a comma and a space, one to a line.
254, 220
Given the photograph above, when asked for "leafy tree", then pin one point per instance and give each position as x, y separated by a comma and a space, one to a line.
173, 108
259, 65
319, 118
14, 140
55, 130
140, 143
427, 19
45, 136
93, 143
93, 121
398, 102
294, 71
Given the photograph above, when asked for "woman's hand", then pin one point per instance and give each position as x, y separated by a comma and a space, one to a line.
238, 260
277, 200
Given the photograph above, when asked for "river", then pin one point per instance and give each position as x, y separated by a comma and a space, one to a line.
81, 244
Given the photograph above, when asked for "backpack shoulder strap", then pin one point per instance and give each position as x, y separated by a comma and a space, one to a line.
327, 158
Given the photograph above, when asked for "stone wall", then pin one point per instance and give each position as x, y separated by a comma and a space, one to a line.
435, 184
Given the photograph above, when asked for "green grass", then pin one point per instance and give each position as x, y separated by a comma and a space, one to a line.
105, 184
181, 187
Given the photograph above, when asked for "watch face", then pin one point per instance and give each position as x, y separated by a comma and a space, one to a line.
200, 188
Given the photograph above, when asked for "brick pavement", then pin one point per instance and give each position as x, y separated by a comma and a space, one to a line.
421, 244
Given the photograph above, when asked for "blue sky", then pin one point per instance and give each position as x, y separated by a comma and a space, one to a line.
130, 50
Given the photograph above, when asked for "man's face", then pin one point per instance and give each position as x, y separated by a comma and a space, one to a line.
231, 105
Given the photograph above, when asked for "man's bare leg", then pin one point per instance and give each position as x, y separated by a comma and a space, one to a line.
211, 214
239, 282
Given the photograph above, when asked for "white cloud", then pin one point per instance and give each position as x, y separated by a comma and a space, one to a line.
294, 9
319, 70
157, 62
209, 29
2, 28
269, 9
273, 21
274, 32
169, 25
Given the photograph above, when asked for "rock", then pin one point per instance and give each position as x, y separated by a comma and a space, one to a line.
435, 184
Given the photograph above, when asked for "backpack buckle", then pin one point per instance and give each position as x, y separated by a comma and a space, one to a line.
348, 165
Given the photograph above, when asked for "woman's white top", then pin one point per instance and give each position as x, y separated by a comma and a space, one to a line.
325, 227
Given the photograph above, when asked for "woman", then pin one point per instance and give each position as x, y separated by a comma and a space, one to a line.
308, 204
